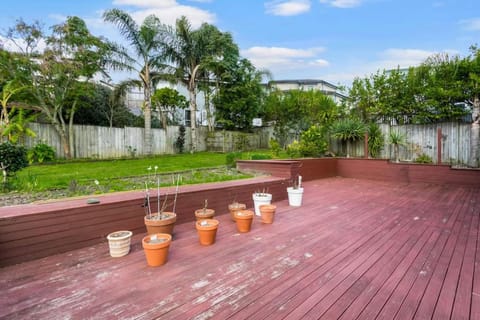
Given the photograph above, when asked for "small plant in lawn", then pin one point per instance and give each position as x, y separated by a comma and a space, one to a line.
42, 152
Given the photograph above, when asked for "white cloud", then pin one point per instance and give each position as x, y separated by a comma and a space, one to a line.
282, 61
404, 58
471, 24
146, 3
287, 8
343, 3
168, 11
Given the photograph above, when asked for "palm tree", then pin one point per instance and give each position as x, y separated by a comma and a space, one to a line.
146, 42
190, 52
396, 139
349, 130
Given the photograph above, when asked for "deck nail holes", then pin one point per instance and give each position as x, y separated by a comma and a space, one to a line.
423, 273
257, 238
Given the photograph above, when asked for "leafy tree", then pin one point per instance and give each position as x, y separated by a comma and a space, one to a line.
190, 52
165, 101
240, 97
146, 42
296, 111
105, 107
57, 78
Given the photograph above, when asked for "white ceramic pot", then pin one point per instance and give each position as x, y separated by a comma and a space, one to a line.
119, 243
295, 196
259, 199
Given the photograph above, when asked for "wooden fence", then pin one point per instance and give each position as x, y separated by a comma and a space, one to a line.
421, 140
105, 143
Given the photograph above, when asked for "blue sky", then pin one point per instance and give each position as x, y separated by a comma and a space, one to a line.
332, 40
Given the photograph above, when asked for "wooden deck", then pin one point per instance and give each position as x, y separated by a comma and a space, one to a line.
356, 249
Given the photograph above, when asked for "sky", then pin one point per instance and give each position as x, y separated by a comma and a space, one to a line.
331, 40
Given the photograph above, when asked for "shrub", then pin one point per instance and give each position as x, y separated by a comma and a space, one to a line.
275, 147
260, 156
180, 142
232, 157
424, 158
376, 140
293, 150
242, 142
40, 153
313, 142
13, 157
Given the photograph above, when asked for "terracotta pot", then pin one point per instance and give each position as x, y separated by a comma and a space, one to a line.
202, 214
267, 212
207, 231
156, 248
119, 243
165, 225
234, 207
244, 220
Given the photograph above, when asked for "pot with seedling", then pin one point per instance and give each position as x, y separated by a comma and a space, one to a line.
161, 221
207, 231
295, 192
204, 213
260, 198
235, 207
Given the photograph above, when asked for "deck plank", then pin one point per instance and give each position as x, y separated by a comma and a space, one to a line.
356, 249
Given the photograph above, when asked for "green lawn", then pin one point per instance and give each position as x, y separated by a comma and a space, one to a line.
124, 174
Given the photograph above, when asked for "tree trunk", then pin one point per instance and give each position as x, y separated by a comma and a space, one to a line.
396, 151
193, 118
71, 141
147, 113
475, 135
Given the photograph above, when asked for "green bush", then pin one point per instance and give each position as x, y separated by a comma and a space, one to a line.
275, 147
424, 158
40, 153
313, 142
232, 157
293, 150
260, 156
180, 142
376, 140
13, 157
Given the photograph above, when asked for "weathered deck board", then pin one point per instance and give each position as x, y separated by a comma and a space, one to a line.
356, 249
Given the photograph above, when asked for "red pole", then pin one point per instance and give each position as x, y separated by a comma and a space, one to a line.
366, 146
439, 146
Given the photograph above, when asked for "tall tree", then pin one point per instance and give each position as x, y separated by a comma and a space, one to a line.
146, 42
190, 51
240, 96
296, 111
165, 101
57, 77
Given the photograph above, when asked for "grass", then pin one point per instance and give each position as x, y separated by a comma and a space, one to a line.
79, 177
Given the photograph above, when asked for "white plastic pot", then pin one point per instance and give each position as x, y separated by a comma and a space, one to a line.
259, 199
295, 196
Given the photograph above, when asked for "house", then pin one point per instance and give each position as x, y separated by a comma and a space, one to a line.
328, 89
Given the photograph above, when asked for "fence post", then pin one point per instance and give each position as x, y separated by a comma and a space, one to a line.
365, 146
439, 146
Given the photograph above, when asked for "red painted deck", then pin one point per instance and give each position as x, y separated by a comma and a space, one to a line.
356, 249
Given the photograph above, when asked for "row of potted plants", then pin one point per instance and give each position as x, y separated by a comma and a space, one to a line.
160, 224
